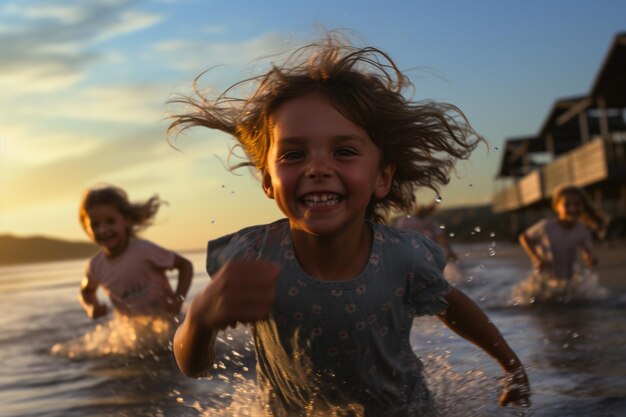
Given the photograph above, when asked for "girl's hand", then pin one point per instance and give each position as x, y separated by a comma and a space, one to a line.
541, 264
241, 291
590, 259
516, 390
173, 304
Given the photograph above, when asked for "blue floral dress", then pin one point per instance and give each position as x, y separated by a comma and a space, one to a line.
342, 345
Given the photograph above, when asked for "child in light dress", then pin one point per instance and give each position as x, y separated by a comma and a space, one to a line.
132, 271
422, 220
330, 292
553, 245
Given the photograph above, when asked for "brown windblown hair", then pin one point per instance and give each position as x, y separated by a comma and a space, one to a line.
141, 214
422, 139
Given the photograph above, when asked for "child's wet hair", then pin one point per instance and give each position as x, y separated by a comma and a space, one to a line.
422, 139
141, 214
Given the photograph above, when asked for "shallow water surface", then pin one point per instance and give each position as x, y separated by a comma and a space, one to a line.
57, 362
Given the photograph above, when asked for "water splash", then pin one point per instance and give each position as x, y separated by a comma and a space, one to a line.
543, 288
121, 336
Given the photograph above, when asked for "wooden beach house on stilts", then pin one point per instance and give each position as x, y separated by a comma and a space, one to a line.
582, 142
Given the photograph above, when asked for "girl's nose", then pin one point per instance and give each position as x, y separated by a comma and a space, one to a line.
318, 167
99, 229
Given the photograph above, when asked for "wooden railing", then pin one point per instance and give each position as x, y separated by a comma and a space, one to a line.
583, 166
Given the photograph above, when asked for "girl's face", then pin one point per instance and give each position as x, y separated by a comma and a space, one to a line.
322, 169
569, 207
107, 227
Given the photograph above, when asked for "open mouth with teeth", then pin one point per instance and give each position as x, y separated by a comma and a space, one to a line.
321, 199
104, 240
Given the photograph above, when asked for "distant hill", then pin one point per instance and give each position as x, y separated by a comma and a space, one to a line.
19, 250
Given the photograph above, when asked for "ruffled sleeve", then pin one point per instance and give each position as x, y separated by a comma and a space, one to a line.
244, 244
427, 286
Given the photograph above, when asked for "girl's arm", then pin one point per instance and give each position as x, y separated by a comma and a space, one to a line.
443, 241
469, 321
589, 257
586, 247
529, 248
89, 300
241, 291
185, 275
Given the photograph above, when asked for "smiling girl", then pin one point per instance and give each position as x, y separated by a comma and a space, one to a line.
131, 270
329, 291
553, 245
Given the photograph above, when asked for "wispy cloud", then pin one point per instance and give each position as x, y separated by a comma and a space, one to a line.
63, 177
196, 55
67, 163
46, 47
136, 104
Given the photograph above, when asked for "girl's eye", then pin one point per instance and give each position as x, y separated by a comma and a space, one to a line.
345, 152
291, 155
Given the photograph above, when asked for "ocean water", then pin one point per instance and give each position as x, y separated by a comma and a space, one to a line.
57, 362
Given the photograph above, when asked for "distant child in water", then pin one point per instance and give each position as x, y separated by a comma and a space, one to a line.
422, 220
553, 244
330, 292
131, 270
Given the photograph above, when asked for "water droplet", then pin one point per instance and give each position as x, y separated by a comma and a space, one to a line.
451, 234
492, 234
442, 226
408, 216
438, 199
471, 185
223, 186
477, 229
495, 148
470, 279
212, 221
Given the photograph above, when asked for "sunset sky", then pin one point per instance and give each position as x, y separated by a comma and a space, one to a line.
84, 85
